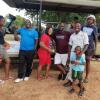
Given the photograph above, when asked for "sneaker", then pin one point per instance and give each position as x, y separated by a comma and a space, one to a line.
2, 82
81, 92
26, 78
64, 76
60, 77
85, 80
71, 91
67, 84
18, 80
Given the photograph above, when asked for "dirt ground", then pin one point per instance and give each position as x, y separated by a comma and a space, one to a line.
49, 89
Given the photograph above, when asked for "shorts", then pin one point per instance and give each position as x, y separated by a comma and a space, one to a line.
44, 58
3, 53
77, 75
60, 59
89, 53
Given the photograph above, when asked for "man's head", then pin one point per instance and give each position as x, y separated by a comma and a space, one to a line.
28, 23
62, 26
2, 21
91, 19
77, 27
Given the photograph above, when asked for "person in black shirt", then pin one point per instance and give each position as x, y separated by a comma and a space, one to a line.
3, 46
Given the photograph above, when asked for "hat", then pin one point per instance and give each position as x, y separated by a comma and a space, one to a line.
91, 16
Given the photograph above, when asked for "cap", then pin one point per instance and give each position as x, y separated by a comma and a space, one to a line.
91, 16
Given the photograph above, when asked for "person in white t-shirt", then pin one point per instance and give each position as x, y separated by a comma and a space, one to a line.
78, 38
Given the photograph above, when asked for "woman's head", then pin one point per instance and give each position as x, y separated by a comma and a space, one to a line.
49, 30
78, 50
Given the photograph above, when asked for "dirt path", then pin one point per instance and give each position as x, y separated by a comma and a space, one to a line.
49, 89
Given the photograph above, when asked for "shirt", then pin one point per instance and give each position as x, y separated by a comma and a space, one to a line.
91, 31
81, 60
61, 40
28, 37
79, 39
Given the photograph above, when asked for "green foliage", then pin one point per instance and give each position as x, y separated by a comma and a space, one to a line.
19, 21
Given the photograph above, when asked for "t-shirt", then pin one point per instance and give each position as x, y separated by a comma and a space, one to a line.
91, 31
2, 37
46, 40
61, 40
79, 39
81, 60
28, 37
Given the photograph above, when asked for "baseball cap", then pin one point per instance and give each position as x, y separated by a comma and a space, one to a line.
91, 16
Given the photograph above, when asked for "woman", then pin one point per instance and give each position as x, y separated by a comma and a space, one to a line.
44, 53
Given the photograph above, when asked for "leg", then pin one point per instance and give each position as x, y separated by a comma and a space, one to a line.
87, 68
7, 68
39, 77
47, 70
22, 65
29, 60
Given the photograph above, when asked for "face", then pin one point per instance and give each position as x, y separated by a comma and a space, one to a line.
78, 50
2, 22
90, 21
77, 27
28, 24
62, 25
50, 31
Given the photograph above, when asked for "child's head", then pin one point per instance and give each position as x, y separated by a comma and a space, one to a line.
78, 50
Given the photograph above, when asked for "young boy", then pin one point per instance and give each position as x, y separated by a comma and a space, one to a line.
77, 64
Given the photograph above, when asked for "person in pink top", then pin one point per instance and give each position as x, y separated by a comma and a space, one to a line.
44, 53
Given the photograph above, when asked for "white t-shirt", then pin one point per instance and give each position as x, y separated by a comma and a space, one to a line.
79, 39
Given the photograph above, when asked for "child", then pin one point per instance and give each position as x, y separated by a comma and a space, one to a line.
77, 64
44, 53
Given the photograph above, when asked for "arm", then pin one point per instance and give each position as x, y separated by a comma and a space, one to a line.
16, 37
45, 47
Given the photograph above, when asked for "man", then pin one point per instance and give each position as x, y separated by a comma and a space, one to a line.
3, 46
91, 31
61, 39
78, 38
28, 45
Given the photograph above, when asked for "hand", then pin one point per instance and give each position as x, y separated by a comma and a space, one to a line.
76, 62
6, 45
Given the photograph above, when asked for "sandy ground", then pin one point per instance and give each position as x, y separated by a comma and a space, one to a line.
49, 89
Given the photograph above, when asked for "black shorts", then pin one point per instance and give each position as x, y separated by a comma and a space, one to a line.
77, 75
89, 53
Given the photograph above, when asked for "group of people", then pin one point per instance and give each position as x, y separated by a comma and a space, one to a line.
72, 51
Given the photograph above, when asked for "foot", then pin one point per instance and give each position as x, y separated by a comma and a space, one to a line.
71, 91
8, 78
2, 82
81, 92
67, 84
18, 80
60, 77
26, 78
86, 80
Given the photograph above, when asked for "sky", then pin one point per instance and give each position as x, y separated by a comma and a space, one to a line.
5, 9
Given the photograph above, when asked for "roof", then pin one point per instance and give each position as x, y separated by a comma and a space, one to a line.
85, 6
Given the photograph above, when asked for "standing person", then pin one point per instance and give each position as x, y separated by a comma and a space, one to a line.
91, 31
28, 45
3, 46
78, 38
61, 39
44, 53
77, 64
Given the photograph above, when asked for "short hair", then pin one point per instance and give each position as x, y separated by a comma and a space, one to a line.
1, 17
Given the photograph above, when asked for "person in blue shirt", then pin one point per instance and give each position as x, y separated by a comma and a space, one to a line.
91, 30
77, 60
28, 43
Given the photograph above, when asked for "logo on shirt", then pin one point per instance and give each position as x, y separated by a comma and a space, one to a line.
60, 37
88, 30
